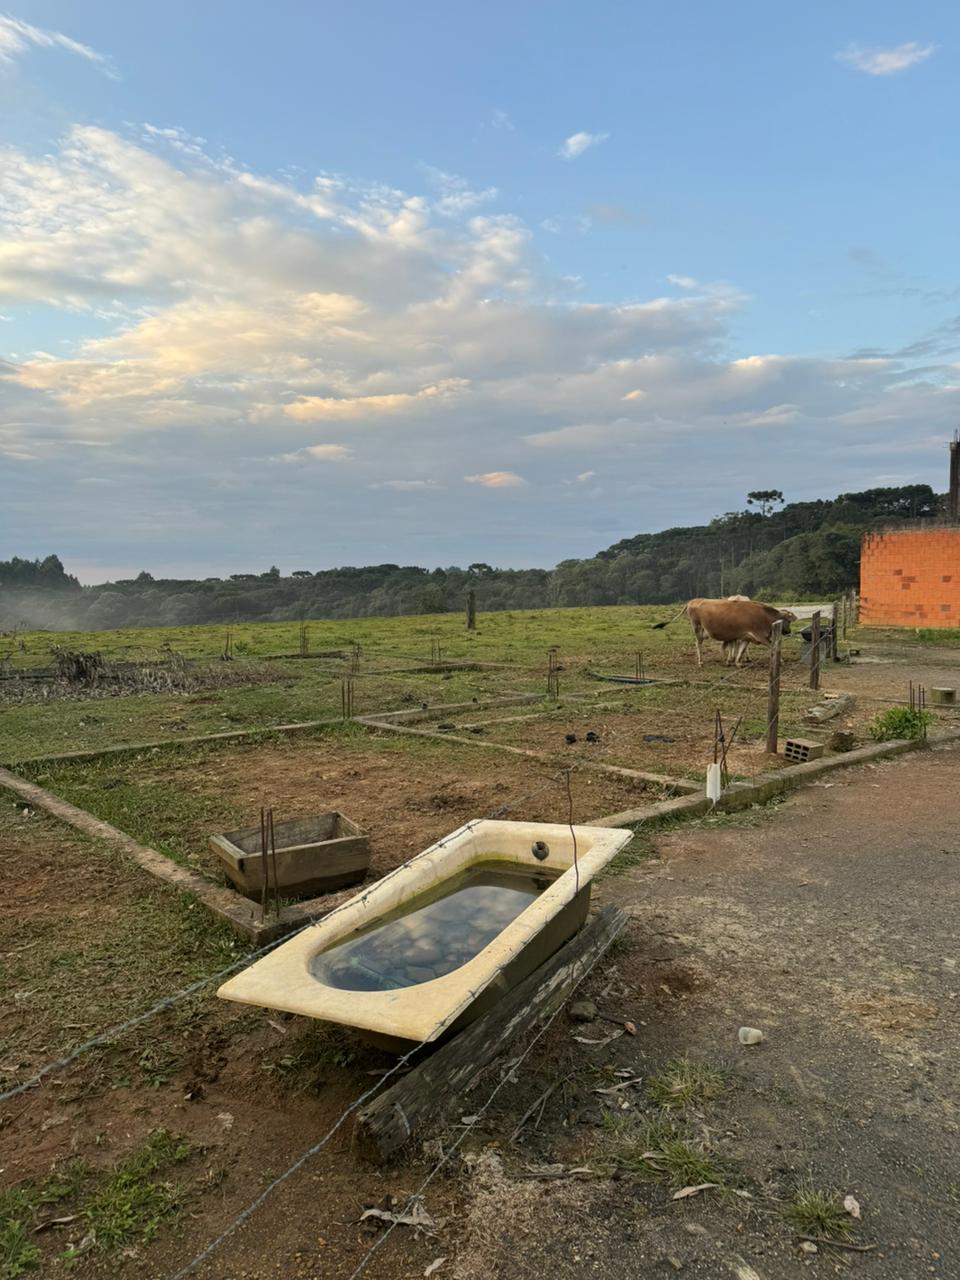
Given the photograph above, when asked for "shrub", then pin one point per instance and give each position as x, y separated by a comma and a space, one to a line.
900, 722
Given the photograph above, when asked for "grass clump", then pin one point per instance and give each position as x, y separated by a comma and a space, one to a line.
17, 1253
133, 1202
660, 1152
900, 722
817, 1213
19, 1211
683, 1082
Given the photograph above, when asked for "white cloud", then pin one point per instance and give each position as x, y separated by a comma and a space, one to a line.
885, 62
316, 408
500, 120
584, 476
578, 143
456, 195
497, 480
236, 316
321, 452
683, 282
17, 37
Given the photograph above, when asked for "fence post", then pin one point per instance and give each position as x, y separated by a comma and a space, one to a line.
471, 610
773, 701
815, 651
833, 631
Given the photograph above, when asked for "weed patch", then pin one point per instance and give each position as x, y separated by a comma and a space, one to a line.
683, 1082
900, 722
658, 1150
817, 1213
133, 1202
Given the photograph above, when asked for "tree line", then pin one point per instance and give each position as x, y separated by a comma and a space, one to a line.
771, 551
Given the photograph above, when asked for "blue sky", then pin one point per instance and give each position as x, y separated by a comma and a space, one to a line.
437, 283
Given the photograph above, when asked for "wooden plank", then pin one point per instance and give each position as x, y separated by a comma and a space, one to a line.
773, 697
387, 1123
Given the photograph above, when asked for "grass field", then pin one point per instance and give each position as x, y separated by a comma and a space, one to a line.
293, 689
183, 1119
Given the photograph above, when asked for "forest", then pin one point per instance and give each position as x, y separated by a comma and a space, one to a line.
770, 550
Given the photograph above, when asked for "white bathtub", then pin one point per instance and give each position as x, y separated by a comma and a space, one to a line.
424, 1011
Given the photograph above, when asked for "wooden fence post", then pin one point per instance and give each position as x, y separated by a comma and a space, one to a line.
815, 651
834, 629
471, 610
773, 701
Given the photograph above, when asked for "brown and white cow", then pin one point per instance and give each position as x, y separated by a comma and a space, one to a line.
735, 623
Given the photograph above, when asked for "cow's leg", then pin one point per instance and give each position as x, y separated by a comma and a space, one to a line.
745, 643
698, 634
742, 646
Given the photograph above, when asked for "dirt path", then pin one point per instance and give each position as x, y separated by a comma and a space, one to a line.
832, 926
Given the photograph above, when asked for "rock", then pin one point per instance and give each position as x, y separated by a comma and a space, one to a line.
583, 1011
749, 1035
807, 1246
842, 741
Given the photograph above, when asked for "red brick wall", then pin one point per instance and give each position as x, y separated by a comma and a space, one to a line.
911, 578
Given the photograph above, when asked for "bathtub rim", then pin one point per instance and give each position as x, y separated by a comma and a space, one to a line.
423, 1011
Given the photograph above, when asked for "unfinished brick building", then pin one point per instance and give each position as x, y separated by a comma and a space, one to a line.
911, 578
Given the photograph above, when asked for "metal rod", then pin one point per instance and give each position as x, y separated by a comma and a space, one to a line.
773, 697
273, 860
728, 743
263, 864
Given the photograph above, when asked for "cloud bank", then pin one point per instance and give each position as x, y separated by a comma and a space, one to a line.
277, 352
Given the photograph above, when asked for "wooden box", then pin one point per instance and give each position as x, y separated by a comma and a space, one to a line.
314, 855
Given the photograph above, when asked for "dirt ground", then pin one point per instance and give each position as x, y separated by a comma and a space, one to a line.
830, 926
829, 923
404, 792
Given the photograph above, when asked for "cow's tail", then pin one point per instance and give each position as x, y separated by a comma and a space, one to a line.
658, 626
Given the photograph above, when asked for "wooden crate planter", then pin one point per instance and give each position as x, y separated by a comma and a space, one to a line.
314, 855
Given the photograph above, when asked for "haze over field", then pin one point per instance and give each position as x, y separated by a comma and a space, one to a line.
436, 286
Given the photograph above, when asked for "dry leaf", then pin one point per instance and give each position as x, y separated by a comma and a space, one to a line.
435, 1265
693, 1191
416, 1217
852, 1207
630, 1028
614, 1035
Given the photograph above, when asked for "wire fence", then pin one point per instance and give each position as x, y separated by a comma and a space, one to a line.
245, 1214
436, 1033
168, 1002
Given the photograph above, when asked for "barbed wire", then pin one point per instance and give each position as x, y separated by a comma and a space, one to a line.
451, 1017
474, 1119
169, 1002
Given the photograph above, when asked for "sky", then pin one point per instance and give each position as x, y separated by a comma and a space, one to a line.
318, 285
